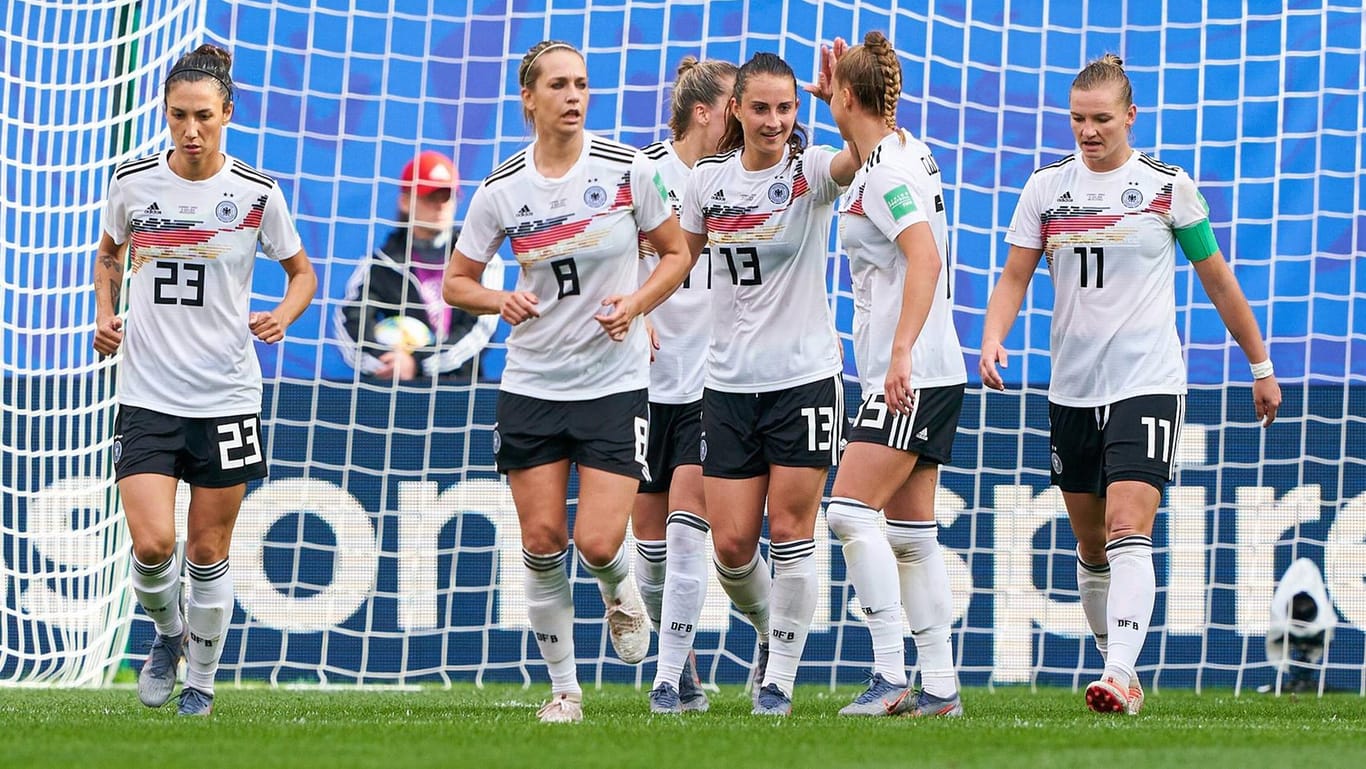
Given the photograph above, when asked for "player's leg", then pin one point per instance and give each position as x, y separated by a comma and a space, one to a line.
609, 437
529, 447
147, 445
874, 465
685, 581
924, 580
735, 484
225, 455
649, 515
802, 429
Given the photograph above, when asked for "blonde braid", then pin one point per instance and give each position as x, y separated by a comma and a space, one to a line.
890, 70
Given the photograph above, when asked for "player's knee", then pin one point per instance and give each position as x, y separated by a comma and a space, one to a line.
596, 548
206, 552
154, 552
847, 521
733, 553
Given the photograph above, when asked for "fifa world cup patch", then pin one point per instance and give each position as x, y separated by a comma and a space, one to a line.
900, 201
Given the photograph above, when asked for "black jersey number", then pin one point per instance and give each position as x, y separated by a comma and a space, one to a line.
167, 287
567, 273
705, 255
744, 265
1098, 254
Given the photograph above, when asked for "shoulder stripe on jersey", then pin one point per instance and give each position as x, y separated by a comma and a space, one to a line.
723, 157
614, 154
255, 178
1058, 164
244, 170
1159, 166
600, 143
656, 151
135, 166
508, 168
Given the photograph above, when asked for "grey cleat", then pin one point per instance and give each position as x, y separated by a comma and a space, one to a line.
756, 677
772, 702
873, 701
156, 680
691, 697
195, 703
664, 700
925, 705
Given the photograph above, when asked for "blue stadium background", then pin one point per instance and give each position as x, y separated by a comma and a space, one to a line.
1265, 106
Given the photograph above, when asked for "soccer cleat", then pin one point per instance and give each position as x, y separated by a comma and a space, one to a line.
690, 695
1135, 697
873, 700
922, 704
562, 709
195, 703
628, 628
664, 700
756, 678
1107, 696
772, 702
156, 680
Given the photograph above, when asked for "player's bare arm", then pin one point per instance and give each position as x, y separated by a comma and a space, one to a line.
462, 287
1227, 296
108, 285
922, 275
675, 262
300, 287
1002, 310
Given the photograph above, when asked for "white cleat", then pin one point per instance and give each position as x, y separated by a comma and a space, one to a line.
629, 628
1106, 696
1135, 697
562, 709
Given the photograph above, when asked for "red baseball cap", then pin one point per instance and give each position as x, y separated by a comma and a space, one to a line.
433, 171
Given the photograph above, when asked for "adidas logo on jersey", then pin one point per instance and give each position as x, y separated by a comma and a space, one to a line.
1065, 197
524, 211
153, 209
923, 435
719, 195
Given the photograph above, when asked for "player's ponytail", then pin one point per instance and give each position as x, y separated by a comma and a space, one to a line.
697, 82
872, 73
207, 62
1108, 69
760, 64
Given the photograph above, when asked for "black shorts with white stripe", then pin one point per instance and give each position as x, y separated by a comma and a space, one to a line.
927, 431
1129, 440
744, 433
212, 452
609, 433
675, 439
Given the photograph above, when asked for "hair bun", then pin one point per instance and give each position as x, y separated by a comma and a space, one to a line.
687, 63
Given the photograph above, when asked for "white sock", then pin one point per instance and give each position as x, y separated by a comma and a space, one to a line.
550, 608
685, 588
795, 586
1093, 583
1133, 588
158, 592
207, 615
929, 602
611, 575
871, 567
748, 588
650, 563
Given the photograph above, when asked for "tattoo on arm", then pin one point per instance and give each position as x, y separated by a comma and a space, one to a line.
113, 265
114, 286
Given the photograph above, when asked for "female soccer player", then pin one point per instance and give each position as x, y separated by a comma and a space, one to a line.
774, 404
671, 558
574, 388
1108, 219
894, 228
189, 387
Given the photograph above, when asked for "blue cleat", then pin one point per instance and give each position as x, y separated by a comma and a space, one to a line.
664, 700
873, 701
195, 703
772, 702
925, 705
691, 697
156, 680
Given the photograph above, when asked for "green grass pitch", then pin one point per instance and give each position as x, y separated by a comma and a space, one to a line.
496, 726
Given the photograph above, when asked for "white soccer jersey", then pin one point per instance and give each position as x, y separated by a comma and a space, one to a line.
683, 321
1110, 243
187, 347
772, 327
898, 186
575, 238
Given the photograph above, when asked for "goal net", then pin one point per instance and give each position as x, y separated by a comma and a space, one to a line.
384, 548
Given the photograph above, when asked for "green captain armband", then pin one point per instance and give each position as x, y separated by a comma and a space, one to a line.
1197, 241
